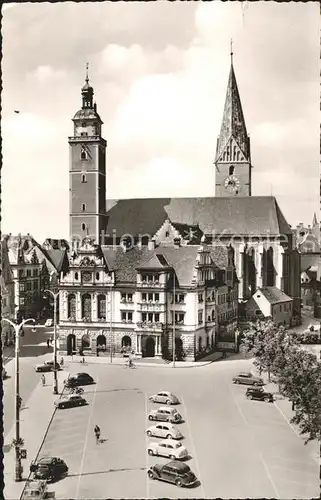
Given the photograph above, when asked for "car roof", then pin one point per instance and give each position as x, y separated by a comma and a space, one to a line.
166, 408
168, 424
46, 460
178, 465
82, 374
165, 392
245, 373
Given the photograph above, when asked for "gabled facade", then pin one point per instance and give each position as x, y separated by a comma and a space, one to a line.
115, 299
270, 302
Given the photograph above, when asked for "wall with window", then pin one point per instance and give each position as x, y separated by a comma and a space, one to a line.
282, 313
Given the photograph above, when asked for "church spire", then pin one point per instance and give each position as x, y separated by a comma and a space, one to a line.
233, 123
87, 92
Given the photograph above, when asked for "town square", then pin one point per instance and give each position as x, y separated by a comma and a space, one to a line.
161, 298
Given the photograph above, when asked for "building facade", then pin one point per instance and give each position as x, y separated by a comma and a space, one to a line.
7, 296
115, 298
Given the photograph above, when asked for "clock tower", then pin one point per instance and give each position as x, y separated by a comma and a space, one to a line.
233, 154
87, 172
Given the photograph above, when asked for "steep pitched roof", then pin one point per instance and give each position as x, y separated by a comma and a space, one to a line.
274, 295
233, 123
249, 215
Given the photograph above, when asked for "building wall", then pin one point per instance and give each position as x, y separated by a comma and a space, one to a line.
242, 171
282, 313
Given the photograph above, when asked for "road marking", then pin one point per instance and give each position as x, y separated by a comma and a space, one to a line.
193, 449
146, 442
238, 406
269, 476
86, 440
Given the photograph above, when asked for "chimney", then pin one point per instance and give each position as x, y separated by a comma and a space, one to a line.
151, 244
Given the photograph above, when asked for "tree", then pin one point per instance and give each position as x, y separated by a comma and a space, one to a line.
268, 344
300, 381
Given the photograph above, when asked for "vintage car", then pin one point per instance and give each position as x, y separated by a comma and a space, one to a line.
164, 397
168, 448
248, 379
49, 469
70, 401
165, 414
173, 472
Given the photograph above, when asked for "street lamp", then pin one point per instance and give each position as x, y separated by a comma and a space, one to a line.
55, 380
17, 441
111, 325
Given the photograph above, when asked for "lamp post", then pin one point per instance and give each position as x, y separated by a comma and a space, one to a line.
17, 440
55, 380
174, 319
111, 325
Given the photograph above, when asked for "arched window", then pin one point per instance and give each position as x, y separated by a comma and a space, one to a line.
83, 226
83, 153
76, 276
71, 306
199, 343
83, 178
126, 341
231, 170
227, 153
85, 342
224, 156
97, 276
234, 152
83, 207
238, 156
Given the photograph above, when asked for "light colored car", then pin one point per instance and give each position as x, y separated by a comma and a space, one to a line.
248, 379
164, 430
49, 322
47, 366
168, 448
165, 414
70, 401
164, 397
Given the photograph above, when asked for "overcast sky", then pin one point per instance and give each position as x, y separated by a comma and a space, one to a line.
160, 72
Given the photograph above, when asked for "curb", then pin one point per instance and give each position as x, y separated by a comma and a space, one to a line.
148, 365
41, 444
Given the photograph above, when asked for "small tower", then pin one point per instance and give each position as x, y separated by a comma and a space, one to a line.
233, 154
87, 172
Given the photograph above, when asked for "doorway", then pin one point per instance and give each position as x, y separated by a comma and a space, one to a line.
149, 348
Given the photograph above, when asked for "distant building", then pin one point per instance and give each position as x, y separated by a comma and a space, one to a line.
311, 284
308, 239
7, 295
34, 269
270, 302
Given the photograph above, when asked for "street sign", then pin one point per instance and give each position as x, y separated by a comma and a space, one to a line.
23, 454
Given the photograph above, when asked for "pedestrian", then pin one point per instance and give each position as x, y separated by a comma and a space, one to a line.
83, 360
19, 402
43, 380
50, 340
47, 342
97, 433
62, 361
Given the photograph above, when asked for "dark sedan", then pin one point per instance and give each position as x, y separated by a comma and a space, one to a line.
173, 472
259, 394
49, 469
47, 366
70, 401
79, 379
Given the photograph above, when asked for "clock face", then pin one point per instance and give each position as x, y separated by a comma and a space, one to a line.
231, 183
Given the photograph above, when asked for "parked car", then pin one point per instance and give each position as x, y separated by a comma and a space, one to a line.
248, 379
163, 430
173, 472
49, 469
164, 397
164, 414
79, 379
259, 395
49, 322
35, 490
168, 448
47, 366
70, 401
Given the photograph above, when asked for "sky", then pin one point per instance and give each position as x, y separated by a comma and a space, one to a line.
160, 72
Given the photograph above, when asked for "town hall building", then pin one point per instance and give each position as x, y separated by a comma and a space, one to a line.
145, 271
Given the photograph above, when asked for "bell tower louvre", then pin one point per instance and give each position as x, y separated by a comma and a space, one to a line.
233, 153
87, 172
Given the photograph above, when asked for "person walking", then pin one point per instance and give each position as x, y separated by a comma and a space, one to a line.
47, 342
62, 362
43, 380
50, 340
97, 433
